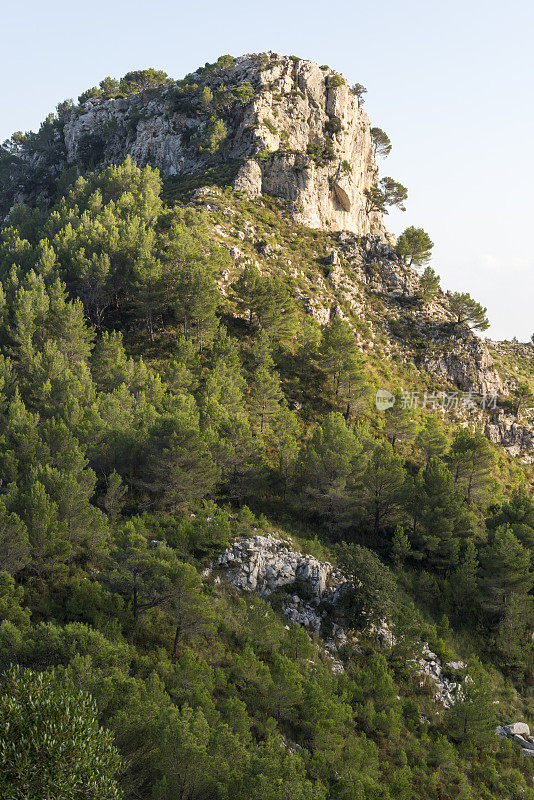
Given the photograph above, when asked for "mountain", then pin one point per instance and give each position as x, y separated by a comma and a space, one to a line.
269, 123
266, 510
282, 127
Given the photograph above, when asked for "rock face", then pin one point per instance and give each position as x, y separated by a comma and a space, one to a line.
519, 732
516, 438
467, 364
264, 564
288, 128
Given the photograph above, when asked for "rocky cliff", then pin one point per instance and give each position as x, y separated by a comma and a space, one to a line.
278, 125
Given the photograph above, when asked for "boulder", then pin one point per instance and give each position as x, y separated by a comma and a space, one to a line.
517, 728
522, 742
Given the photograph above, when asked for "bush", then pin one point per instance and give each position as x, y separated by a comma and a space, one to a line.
335, 80
50, 742
333, 125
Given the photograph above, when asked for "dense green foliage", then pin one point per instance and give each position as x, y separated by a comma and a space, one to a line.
143, 415
137, 81
50, 742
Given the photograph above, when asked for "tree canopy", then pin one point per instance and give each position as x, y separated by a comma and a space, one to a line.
468, 311
414, 246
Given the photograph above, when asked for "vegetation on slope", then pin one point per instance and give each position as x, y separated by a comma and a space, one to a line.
143, 415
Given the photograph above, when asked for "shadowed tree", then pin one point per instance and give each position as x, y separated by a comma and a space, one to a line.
379, 486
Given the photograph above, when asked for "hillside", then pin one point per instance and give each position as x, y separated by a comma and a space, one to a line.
266, 500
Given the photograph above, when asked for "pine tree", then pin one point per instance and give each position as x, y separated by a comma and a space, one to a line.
512, 634
442, 517
381, 142
414, 247
14, 543
387, 193
48, 536
524, 398
275, 309
190, 611
472, 460
464, 581
429, 284
114, 498
431, 439
505, 570
247, 288
468, 311
326, 466
148, 290
196, 301
340, 360
400, 427
472, 718
265, 398
180, 467
379, 487
400, 547
369, 599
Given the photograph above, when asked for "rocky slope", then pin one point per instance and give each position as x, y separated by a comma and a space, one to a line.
311, 591
363, 280
279, 125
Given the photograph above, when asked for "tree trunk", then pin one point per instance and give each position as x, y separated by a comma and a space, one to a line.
176, 640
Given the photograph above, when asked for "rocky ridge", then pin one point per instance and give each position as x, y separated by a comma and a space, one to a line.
362, 278
285, 127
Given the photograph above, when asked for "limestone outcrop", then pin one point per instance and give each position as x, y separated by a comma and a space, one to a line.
265, 564
516, 436
444, 690
274, 124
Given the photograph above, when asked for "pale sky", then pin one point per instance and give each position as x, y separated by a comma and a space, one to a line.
450, 82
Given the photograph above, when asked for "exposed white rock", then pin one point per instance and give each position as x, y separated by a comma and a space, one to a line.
430, 665
515, 436
518, 732
302, 137
266, 563
517, 729
248, 179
